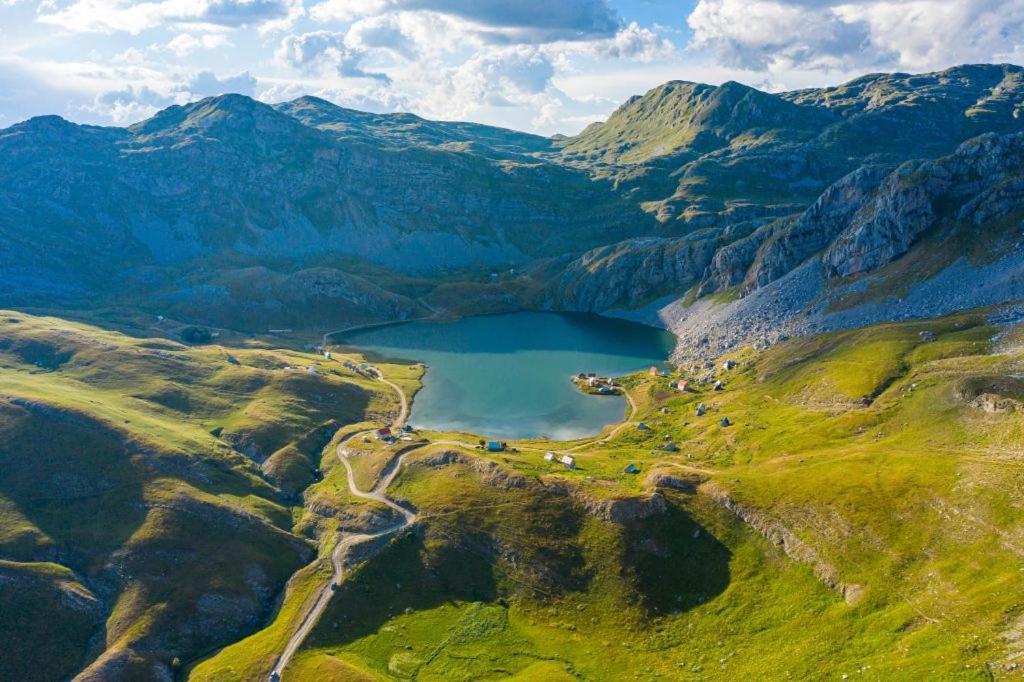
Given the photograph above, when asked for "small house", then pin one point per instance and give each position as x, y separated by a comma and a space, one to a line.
549, 457
327, 355
653, 371
407, 428
682, 385
568, 460
605, 390
384, 433
642, 427
495, 446
702, 410
631, 469
719, 385
671, 447
728, 365
725, 422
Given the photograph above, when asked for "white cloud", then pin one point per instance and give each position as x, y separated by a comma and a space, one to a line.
324, 51
781, 35
185, 43
632, 42
208, 84
501, 21
128, 104
927, 34
402, 34
108, 16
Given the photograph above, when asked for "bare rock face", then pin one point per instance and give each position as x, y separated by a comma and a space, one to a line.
630, 274
793, 242
730, 263
979, 177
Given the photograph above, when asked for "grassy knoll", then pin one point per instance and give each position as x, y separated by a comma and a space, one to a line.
148, 491
859, 515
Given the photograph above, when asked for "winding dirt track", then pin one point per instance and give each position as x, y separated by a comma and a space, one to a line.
346, 543
388, 475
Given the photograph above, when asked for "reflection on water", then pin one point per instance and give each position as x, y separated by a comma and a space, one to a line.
507, 376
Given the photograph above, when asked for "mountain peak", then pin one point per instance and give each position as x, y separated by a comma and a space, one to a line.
682, 116
229, 115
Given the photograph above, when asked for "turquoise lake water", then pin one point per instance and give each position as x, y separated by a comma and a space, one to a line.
507, 376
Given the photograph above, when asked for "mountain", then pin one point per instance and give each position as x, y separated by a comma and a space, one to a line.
889, 219
401, 131
228, 182
692, 151
235, 213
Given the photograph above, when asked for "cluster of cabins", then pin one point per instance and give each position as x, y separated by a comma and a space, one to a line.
388, 435
684, 385
362, 368
591, 383
568, 461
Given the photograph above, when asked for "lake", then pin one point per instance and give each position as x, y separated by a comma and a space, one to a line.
507, 376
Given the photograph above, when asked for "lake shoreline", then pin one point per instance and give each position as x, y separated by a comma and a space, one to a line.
507, 375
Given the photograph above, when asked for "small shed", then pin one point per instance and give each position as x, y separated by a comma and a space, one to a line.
671, 447
549, 457
631, 469
642, 426
568, 460
719, 385
725, 422
495, 446
654, 371
702, 410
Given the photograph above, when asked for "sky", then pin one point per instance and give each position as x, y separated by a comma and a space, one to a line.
544, 66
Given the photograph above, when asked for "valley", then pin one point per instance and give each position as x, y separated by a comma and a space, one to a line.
292, 392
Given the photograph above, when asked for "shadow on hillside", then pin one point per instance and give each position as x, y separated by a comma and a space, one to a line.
397, 579
672, 563
675, 562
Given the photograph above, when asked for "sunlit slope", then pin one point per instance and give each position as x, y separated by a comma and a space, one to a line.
860, 515
147, 492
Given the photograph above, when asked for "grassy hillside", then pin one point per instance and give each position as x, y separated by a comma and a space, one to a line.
147, 491
860, 515
170, 509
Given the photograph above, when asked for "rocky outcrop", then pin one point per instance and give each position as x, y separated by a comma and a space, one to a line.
632, 273
792, 242
980, 180
622, 510
783, 538
730, 263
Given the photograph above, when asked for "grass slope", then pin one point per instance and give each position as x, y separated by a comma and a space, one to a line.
155, 479
859, 516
